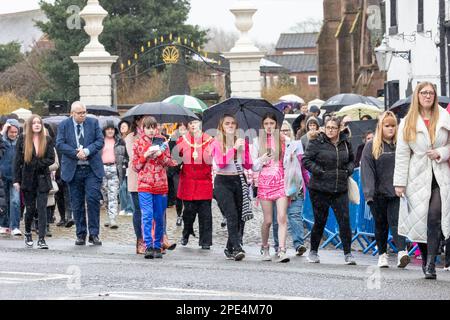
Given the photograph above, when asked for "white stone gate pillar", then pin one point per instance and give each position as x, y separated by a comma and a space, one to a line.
245, 58
94, 62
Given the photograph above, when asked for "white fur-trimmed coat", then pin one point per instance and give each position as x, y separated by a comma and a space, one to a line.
414, 170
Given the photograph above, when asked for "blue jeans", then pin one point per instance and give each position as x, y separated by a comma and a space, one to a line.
153, 207
126, 203
295, 223
12, 217
86, 187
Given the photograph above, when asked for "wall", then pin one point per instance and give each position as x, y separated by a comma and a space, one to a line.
425, 60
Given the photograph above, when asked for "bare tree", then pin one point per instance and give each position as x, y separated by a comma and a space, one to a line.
220, 40
308, 25
25, 78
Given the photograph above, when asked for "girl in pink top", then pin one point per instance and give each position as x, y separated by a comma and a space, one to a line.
231, 156
268, 152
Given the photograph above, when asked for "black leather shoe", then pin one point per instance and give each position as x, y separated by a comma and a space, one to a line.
95, 240
80, 241
61, 223
69, 223
184, 241
206, 247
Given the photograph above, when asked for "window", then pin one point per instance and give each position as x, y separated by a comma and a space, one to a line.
420, 27
313, 80
394, 27
293, 80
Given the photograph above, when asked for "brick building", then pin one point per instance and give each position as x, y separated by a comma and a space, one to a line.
346, 61
295, 55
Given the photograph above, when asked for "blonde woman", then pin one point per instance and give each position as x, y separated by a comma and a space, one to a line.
34, 155
422, 174
232, 155
377, 170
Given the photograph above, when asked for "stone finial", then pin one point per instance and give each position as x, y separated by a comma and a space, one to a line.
243, 11
93, 14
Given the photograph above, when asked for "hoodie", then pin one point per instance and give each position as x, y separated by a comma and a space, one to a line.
6, 162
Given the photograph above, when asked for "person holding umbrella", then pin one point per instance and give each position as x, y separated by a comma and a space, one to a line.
232, 155
195, 185
267, 153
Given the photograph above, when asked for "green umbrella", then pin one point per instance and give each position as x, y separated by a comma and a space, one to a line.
189, 102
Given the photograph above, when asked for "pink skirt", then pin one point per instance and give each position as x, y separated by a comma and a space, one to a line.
271, 183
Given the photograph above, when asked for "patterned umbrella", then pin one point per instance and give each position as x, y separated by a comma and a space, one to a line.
192, 103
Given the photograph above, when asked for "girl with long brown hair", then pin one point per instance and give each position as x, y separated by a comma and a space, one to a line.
422, 174
34, 155
268, 153
231, 155
377, 171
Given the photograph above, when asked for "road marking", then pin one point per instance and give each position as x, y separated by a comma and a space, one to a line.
181, 293
9, 277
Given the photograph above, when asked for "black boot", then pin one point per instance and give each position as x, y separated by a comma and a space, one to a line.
430, 270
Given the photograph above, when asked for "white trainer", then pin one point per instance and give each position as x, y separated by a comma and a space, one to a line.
265, 254
122, 213
383, 261
403, 259
16, 232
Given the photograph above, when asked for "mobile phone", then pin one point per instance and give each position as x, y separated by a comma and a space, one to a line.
157, 141
269, 152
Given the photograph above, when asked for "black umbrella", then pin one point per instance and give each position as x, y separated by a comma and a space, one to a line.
358, 130
339, 101
401, 107
248, 113
102, 110
163, 112
54, 119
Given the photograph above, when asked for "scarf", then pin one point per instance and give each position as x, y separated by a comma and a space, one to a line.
246, 201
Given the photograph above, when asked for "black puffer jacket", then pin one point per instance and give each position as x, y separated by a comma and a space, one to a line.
377, 176
330, 165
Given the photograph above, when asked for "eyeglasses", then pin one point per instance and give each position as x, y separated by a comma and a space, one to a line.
80, 113
332, 128
285, 130
427, 93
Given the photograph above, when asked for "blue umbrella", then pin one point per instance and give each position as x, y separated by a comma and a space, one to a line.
284, 104
248, 112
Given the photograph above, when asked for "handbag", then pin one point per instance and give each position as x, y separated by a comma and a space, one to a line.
353, 191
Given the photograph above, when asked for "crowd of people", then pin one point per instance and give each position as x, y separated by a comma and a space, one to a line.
137, 169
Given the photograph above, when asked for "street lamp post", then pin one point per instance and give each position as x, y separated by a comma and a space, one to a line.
384, 54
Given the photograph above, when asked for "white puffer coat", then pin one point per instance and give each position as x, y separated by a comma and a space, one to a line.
414, 170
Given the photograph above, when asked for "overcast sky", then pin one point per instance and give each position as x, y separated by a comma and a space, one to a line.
273, 16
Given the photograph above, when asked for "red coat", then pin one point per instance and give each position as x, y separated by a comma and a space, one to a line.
196, 174
152, 175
